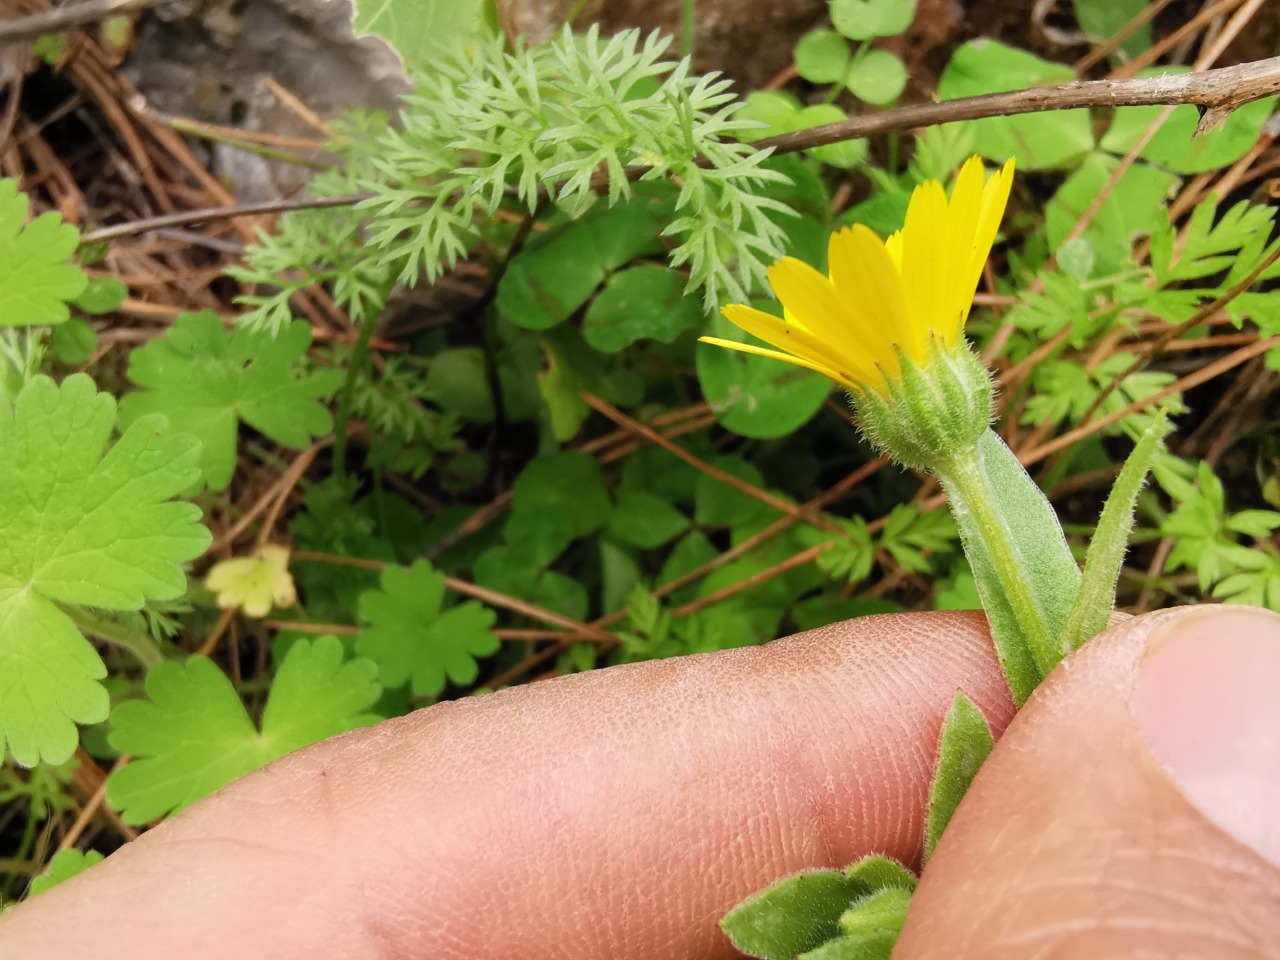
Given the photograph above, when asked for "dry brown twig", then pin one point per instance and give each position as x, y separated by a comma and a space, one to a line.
65, 18
1215, 92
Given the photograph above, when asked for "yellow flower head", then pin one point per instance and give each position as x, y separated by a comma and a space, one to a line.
883, 296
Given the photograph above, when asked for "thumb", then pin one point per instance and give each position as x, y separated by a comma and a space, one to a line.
1132, 808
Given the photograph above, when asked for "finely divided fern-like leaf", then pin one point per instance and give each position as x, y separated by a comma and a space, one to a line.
486, 125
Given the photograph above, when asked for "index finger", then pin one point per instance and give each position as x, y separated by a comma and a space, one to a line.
618, 813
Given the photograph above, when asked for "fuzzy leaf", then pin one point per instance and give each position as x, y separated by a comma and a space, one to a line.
1110, 540
796, 914
193, 735
36, 281
206, 380
1044, 560
882, 873
83, 525
412, 639
965, 744
881, 912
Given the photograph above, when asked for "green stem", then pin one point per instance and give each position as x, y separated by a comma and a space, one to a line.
688, 13
968, 490
140, 645
354, 368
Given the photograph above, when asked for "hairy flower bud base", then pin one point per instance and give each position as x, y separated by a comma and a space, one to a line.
930, 411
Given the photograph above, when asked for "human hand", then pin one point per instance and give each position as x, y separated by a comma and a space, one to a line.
1132, 810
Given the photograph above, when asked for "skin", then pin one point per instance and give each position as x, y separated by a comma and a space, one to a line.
621, 813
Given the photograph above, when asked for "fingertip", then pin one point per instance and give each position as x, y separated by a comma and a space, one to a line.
1205, 702
1099, 825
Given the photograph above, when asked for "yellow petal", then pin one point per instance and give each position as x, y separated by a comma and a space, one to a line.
924, 254
867, 281
963, 211
995, 197
893, 247
812, 303
809, 295
798, 342
751, 348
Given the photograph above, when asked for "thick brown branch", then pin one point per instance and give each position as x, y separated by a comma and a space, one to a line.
1215, 92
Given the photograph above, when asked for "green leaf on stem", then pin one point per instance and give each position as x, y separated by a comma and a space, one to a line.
963, 747
798, 913
1097, 595
1023, 568
881, 873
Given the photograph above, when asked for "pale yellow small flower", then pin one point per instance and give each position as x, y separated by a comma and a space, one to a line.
256, 583
906, 293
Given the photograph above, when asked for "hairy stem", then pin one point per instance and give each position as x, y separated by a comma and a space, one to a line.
967, 488
141, 645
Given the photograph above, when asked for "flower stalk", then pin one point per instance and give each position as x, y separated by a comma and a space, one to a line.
887, 322
984, 530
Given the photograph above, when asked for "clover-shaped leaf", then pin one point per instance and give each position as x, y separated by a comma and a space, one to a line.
82, 525
194, 736
206, 380
64, 865
36, 281
412, 639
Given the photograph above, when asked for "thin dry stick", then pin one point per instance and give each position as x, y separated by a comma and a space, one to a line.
1159, 49
185, 217
299, 626
1175, 331
308, 116
285, 485
278, 493
1206, 59
1104, 50
91, 807
733, 589
491, 597
219, 628
728, 479
824, 499
35, 25
1158, 560
1203, 375
1215, 92
1170, 334
809, 509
